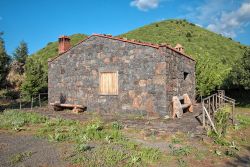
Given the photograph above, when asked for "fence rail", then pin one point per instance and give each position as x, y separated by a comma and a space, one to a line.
213, 104
38, 100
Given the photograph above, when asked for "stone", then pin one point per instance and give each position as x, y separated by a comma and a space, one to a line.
106, 60
137, 102
142, 83
160, 68
148, 77
131, 93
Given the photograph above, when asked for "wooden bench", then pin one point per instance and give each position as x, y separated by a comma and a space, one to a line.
178, 107
74, 107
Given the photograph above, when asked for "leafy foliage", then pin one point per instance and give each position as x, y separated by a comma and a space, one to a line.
35, 78
208, 78
36, 68
21, 52
240, 74
13, 119
4, 62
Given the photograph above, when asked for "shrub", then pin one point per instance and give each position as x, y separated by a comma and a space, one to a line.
12, 119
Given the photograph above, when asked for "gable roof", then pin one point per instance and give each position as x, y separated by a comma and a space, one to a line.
156, 46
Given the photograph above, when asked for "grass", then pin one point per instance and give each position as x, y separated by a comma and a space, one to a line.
104, 142
20, 157
14, 119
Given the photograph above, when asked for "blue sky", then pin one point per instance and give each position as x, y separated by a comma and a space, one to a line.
38, 22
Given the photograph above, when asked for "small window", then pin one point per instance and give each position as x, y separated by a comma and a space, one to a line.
185, 75
62, 71
108, 83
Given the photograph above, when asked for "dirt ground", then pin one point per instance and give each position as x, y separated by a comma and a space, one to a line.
42, 153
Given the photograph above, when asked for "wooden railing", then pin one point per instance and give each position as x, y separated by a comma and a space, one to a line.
212, 104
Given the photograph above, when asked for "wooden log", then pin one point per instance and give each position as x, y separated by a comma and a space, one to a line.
181, 97
188, 101
58, 106
77, 110
177, 109
184, 106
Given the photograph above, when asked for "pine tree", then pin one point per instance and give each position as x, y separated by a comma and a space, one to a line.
21, 52
4, 62
34, 78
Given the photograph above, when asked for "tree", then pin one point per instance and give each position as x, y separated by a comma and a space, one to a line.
4, 62
210, 74
34, 78
240, 74
21, 52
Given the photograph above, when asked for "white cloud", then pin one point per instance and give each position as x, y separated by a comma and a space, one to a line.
198, 25
145, 5
227, 17
229, 23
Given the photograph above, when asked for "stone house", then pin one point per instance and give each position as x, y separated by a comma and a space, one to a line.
111, 74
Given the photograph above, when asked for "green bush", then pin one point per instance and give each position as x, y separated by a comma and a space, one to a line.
11, 119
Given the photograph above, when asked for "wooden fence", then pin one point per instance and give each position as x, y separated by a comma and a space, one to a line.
213, 104
38, 100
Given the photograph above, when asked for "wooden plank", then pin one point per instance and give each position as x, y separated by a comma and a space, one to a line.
188, 101
184, 106
177, 110
108, 83
210, 120
67, 105
181, 98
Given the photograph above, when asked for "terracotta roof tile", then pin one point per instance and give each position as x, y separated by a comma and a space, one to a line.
133, 41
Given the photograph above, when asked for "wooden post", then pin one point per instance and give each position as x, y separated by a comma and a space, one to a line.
39, 100
216, 101
31, 102
20, 98
203, 115
233, 112
209, 106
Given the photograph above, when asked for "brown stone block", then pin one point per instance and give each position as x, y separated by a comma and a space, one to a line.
149, 105
142, 83
160, 68
137, 102
115, 59
169, 88
106, 60
159, 80
131, 93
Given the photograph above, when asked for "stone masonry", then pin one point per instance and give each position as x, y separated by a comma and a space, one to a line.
148, 75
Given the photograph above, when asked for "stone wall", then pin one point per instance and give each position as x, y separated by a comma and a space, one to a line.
148, 77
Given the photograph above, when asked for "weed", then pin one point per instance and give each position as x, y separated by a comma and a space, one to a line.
134, 159
82, 147
57, 137
20, 157
116, 125
244, 120
221, 122
181, 162
218, 152
149, 154
13, 119
175, 140
180, 151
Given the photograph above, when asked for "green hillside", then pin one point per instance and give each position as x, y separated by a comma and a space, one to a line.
51, 50
214, 54
197, 41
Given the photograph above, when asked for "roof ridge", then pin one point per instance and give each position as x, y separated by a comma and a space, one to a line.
133, 41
